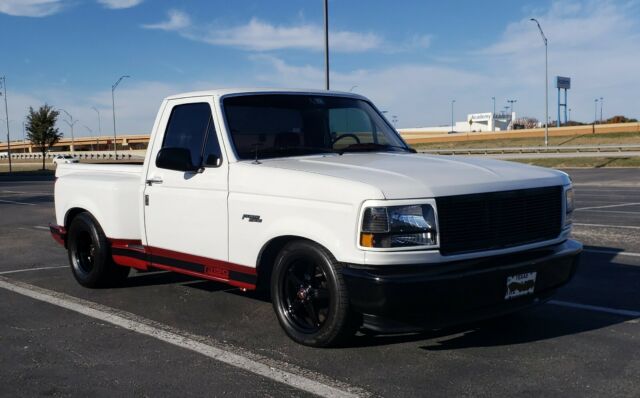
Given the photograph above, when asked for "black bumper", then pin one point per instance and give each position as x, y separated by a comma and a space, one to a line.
431, 296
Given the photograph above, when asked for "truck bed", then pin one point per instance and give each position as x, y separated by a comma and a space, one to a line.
111, 192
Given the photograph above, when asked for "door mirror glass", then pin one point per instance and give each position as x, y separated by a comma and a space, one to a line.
178, 159
213, 160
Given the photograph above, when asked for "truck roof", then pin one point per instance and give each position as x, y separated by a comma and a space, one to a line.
252, 90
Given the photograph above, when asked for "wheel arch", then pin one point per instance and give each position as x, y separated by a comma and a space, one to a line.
268, 254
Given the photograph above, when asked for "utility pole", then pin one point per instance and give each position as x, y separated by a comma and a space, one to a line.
326, 44
113, 104
6, 112
546, 83
595, 112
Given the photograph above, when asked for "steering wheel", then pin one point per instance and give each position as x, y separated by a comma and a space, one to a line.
338, 138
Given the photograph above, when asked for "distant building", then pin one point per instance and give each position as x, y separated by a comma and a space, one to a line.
485, 121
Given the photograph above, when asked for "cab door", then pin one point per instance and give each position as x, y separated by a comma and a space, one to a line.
185, 213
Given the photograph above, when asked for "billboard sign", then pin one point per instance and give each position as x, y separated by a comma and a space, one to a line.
563, 82
479, 117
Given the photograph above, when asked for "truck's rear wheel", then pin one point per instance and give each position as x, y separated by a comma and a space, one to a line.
310, 297
90, 254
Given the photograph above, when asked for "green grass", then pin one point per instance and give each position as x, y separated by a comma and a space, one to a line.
585, 139
591, 162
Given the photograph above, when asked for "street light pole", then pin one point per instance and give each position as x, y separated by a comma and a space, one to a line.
6, 112
452, 102
569, 114
113, 104
326, 44
512, 102
601, 101
595, 112
71, 124
546, 83
493, 115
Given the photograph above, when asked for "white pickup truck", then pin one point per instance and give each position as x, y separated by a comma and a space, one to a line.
313, 196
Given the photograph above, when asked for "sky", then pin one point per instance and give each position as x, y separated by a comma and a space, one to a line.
411, 57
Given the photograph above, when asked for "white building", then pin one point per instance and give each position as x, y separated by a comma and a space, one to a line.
486, 121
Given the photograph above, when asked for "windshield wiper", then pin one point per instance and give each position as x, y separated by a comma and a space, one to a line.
371, 147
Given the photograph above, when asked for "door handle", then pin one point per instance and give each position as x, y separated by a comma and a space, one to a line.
154, 180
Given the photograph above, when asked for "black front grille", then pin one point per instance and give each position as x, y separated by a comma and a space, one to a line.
497, 220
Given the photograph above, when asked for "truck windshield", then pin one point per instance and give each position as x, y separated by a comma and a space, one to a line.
281, 125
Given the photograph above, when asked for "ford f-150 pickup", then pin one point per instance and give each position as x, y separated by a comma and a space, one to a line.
315, 198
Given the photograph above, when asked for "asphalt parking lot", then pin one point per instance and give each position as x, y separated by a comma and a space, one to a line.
166, 334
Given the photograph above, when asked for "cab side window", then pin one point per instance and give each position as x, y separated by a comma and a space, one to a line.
191, 126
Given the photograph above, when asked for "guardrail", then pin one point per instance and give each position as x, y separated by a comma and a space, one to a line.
524, 150
76, 155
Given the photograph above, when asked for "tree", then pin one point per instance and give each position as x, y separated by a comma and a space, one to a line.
41, 129
527, 122
620, 119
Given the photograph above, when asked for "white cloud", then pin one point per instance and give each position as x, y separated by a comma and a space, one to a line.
118, 4
257, 35
30, 8
178, 20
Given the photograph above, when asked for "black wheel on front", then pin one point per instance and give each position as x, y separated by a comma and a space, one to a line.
90, 254
310, 297
306, 295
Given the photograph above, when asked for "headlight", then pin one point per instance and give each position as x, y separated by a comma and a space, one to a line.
399, 226
569, 206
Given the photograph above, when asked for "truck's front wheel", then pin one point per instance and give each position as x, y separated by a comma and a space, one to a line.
310, 297
90, 254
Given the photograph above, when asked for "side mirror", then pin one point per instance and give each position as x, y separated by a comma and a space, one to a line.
178, 159
213, 160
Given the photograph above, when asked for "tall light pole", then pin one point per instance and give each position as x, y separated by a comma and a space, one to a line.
90, 131
493, 115
452, 102
99, 122
546, 83
595, 112
512, 101
113, 104
6, 112
569, 114
326, 44
352, 88
601, 101
71, 124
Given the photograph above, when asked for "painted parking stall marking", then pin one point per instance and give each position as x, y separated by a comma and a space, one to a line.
267, 368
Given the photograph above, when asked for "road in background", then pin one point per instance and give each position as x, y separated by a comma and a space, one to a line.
551, 350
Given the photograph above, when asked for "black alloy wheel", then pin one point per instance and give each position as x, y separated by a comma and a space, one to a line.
310, 297
90, 254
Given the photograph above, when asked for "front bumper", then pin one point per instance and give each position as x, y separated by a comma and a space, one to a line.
432, 296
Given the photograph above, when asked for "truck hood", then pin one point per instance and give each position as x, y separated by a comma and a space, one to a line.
405, 176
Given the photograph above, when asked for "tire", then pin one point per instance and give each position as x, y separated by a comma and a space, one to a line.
310, 297
90, 254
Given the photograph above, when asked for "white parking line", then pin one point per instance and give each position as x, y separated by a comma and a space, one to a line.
275, 370
615, 311
15, 271
41, 227
613, 211
608, 206
27, 192
17, 203
631, 254
606, 226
